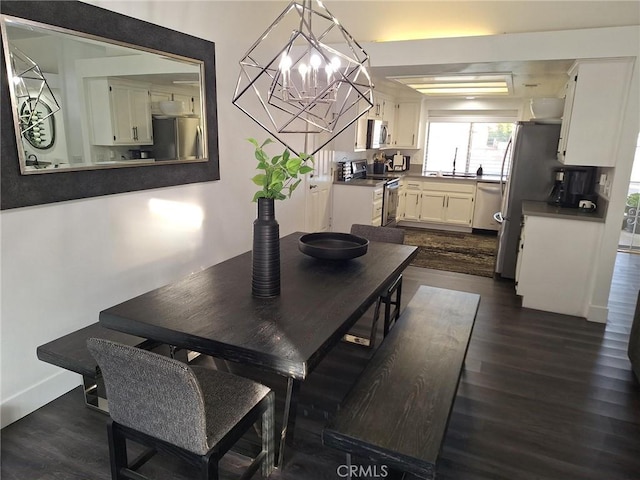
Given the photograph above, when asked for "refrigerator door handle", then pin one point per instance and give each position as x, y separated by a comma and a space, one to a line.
504, 162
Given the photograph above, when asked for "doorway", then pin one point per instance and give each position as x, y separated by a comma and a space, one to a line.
630, 233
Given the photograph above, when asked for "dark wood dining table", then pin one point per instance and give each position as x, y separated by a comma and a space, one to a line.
214, 313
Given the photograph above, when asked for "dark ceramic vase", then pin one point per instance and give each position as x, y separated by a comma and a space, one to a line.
265, 280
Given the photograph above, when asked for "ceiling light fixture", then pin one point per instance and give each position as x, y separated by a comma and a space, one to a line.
460, 85
307, 85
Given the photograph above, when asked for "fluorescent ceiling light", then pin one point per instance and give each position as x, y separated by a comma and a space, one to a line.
460, 85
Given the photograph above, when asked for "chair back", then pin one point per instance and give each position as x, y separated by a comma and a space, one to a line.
153, 394
378, 234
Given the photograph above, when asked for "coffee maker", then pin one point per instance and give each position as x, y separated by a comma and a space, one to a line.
572, 185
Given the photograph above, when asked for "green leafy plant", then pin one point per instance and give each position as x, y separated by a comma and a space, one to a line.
633, 200
280, 175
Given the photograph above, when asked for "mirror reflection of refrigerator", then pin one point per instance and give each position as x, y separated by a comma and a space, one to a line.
177, 138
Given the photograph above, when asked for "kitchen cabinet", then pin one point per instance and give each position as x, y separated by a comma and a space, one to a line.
547, 242
382, 106
129, 107
356, 204
411, 198
595, 100
406, 126
446, 203
162, 94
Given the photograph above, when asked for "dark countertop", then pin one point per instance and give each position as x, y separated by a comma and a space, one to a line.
362, 182
543, 209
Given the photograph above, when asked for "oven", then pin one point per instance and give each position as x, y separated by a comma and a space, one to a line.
390, 202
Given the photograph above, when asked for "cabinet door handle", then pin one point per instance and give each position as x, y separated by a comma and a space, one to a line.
413, 138
443, 198
447, 202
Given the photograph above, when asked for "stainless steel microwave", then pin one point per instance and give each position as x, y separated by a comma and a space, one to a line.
376, 134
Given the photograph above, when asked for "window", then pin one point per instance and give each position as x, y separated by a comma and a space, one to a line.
469, 144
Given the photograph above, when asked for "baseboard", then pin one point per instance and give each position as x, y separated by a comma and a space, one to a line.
38, 395
597, 314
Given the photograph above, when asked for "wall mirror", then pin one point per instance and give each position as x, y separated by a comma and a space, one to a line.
106, 102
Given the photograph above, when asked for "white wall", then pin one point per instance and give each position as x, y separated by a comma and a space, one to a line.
63, 263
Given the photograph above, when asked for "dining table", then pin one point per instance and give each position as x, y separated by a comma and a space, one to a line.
213, 312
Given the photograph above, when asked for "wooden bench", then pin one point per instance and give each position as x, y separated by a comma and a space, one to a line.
70, 352
397, 412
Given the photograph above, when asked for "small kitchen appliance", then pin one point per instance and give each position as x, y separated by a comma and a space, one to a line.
571, 186
376, 134
397, 162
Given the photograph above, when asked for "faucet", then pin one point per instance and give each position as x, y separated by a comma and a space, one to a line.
455, 155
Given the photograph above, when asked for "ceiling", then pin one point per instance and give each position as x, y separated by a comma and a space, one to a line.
540, 78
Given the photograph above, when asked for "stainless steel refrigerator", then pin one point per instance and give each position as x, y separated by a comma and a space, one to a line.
528, 167
177, 138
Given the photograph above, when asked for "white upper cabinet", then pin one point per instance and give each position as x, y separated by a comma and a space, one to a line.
596, 96
381, 104
129, 121
407, 125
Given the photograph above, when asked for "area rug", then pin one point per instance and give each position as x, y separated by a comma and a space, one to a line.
470, 253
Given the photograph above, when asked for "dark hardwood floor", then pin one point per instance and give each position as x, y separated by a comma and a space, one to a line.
543, 396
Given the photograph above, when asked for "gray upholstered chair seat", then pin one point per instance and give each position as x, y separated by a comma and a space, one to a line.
192, 412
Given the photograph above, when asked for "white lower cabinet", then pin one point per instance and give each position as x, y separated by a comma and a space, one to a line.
447, 203
555, 269
356, 204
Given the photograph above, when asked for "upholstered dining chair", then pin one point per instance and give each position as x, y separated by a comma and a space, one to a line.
389, 235
192, 412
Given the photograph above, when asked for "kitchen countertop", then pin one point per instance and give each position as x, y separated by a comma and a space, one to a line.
370, 182
471, 178
543, 209
361, 182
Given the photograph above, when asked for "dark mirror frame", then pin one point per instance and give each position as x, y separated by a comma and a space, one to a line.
18, 190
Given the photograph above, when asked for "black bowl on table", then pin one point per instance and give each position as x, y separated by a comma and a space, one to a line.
333, 245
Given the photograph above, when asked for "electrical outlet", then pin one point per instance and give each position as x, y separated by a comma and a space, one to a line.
603, 179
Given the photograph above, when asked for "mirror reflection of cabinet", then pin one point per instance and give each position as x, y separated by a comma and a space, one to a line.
129, 105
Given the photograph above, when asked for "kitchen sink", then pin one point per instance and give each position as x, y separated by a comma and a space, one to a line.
461, 175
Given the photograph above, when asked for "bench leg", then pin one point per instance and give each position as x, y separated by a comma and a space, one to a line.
92, 398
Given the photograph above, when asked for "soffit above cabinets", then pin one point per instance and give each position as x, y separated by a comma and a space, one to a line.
539, 78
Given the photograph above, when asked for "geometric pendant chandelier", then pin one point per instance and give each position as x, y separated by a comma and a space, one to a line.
30, 88
305, 75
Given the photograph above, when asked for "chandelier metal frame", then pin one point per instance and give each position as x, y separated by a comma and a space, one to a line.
309, 101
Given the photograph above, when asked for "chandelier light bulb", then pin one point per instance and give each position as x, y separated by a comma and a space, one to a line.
315, 61
285, 62
335, 63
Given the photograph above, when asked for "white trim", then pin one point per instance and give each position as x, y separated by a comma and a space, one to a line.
38, 395
597, 314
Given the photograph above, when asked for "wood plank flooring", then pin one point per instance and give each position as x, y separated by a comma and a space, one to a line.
543, 396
